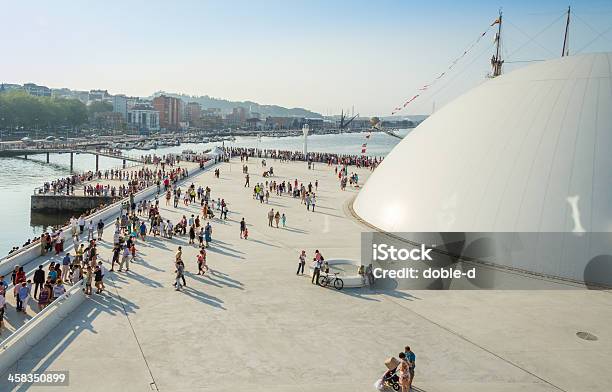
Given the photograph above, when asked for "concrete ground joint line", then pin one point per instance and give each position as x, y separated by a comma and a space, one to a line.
153, 383
464, 338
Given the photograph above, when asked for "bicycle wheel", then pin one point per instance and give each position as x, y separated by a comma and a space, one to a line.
338, 284
323, 281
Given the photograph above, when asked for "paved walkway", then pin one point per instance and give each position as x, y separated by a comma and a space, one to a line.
13, 319
254, 325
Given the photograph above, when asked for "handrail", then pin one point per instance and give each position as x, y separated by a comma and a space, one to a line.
54, 304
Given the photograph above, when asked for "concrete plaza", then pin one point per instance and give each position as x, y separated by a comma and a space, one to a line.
254, 325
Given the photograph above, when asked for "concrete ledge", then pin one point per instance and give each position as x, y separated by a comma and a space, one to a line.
351, 280
44, 202
32, 332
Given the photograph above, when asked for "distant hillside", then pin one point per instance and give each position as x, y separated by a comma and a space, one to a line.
227, 106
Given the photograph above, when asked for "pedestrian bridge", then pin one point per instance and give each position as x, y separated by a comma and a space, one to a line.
27, 151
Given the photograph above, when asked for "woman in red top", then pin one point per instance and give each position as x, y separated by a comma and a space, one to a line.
20, 276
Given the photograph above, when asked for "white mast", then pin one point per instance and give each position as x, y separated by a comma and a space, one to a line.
305, 130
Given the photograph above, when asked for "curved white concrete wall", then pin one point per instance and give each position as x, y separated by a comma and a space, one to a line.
525, 152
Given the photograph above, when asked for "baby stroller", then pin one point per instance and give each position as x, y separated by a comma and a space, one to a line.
390, 379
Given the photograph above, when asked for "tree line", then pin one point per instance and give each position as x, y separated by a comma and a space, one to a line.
20, 109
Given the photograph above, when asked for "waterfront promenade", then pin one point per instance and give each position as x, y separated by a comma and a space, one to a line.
14, 320
254, 325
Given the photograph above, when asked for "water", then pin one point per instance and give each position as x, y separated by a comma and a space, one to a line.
20, 177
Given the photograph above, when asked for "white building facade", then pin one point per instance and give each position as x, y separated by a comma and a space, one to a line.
143, 118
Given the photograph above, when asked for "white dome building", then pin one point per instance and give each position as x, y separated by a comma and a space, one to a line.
530, 151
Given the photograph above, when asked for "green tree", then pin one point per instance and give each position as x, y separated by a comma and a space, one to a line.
19, 109
98, 107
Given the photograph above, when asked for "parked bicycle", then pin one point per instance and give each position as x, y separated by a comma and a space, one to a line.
331, 279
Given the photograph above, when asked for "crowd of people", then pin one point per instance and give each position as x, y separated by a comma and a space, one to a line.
144, 218
65, 185
85, 266
48, 284
321, 157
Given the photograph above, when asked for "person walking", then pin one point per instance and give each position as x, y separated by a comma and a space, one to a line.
270, 217
284, 219
242, 228
58, 289
317, 268
200, 258
81, 223
115, 257
404, 373
143, 231
301, 263
125, 258
90, 231
192, 235
277, 218
21, 294
45, 296
208, 233
66, 266
87, 277
201, 237
411, 359
76, 274
98, 279
180, 275
39, 280
100, 228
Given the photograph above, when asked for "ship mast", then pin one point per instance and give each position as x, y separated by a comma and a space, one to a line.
496, 60
565, 50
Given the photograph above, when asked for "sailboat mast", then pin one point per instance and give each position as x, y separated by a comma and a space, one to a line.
565, 50
496, 61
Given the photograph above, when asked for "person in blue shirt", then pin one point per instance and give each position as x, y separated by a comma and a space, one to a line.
66, 261
411, 359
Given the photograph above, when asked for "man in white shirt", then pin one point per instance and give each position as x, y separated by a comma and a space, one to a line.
90, 231
103, 272
81, 223
125, 259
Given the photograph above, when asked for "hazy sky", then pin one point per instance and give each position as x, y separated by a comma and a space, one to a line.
321, 55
